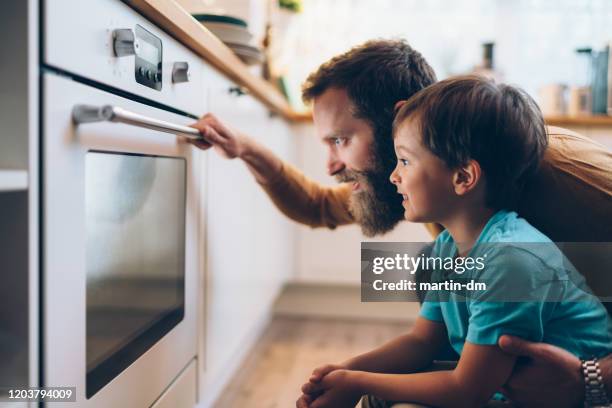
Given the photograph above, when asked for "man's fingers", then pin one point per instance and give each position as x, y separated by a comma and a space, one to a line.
516, 346
199, 143
536, 351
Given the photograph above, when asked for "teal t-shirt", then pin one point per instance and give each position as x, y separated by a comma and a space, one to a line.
532, 291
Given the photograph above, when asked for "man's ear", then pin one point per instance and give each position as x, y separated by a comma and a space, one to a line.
466, 177
398, 105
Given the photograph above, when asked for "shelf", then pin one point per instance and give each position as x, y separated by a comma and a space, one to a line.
586, 120
13, 180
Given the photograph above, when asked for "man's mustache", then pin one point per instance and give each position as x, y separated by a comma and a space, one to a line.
348, 176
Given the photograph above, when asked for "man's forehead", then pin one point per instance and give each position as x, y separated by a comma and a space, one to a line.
334, 101
334, 113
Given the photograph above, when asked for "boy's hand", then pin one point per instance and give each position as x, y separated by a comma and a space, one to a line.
552, 377
320, 372
337, 389
309, 394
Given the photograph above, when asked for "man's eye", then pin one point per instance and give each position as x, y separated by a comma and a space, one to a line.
339, 141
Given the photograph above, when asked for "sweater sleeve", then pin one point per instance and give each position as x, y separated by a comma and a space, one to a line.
308, 202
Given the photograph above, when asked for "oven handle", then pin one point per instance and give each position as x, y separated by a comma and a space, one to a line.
109, 113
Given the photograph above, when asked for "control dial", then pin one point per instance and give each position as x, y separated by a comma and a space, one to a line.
180, 72
124, 42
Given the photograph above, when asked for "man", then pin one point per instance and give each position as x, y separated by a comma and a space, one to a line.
354, 97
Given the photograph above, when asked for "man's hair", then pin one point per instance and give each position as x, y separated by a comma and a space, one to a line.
375, 75
470, 117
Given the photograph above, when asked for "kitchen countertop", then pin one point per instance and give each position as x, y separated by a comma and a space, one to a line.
177, 22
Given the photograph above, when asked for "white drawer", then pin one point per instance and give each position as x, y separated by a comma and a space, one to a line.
78, 40
182, 392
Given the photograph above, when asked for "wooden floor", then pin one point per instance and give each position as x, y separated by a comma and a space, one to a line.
288, 352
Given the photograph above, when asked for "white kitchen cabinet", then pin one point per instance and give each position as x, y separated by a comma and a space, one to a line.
182, 392
249, 244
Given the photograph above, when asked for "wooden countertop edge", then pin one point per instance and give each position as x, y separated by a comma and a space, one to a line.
177, 22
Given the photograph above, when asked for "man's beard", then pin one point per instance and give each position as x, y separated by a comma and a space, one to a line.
376, 206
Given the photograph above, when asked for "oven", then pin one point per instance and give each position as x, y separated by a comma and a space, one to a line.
120, 209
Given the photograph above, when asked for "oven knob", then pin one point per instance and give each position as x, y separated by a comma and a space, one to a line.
158, 77
149, 74
124, 42
180, 72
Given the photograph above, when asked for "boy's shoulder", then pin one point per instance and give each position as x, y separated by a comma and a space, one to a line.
503, 227
509, 227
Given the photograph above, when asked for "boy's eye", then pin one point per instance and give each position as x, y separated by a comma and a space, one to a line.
404, 162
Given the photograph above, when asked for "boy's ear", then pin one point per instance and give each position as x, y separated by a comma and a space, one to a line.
466, 177
398, 105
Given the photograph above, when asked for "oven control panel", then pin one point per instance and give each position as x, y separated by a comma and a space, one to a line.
118, 47
147, 49
148, 66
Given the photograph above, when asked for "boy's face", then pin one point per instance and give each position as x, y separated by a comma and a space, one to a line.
423, 179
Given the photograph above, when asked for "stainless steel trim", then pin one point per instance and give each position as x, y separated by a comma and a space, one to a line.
108, 113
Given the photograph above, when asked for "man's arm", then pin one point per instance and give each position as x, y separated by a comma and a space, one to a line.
606, 372
551, 377
297, 196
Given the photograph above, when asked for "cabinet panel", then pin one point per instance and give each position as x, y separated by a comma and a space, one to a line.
182, 392
249, 244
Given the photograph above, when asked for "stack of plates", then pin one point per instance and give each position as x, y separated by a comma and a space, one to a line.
235, 34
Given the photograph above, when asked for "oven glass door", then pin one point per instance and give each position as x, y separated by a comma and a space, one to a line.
135, 231
121, 259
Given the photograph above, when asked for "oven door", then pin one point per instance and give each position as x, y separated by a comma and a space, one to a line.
120, 250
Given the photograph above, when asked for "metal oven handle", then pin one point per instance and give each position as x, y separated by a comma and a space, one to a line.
109, 113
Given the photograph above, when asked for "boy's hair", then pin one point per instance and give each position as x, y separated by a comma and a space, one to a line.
376, 75
471, 117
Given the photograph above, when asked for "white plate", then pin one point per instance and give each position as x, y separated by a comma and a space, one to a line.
229, 32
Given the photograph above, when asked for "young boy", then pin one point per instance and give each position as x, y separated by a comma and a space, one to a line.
464, 147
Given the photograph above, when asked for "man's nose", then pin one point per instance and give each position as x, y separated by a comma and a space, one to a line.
334, 165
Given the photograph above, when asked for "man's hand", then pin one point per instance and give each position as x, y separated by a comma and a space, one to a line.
547, 376
227, 141
337, 389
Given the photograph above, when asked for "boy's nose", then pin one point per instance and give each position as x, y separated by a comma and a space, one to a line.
394, 178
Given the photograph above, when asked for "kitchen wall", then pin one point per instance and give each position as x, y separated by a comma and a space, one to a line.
535, 39
535, 42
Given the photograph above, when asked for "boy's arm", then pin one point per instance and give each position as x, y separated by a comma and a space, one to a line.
481, 371
407, 353
404, 354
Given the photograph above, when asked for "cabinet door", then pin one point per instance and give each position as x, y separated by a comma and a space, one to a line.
249, 243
